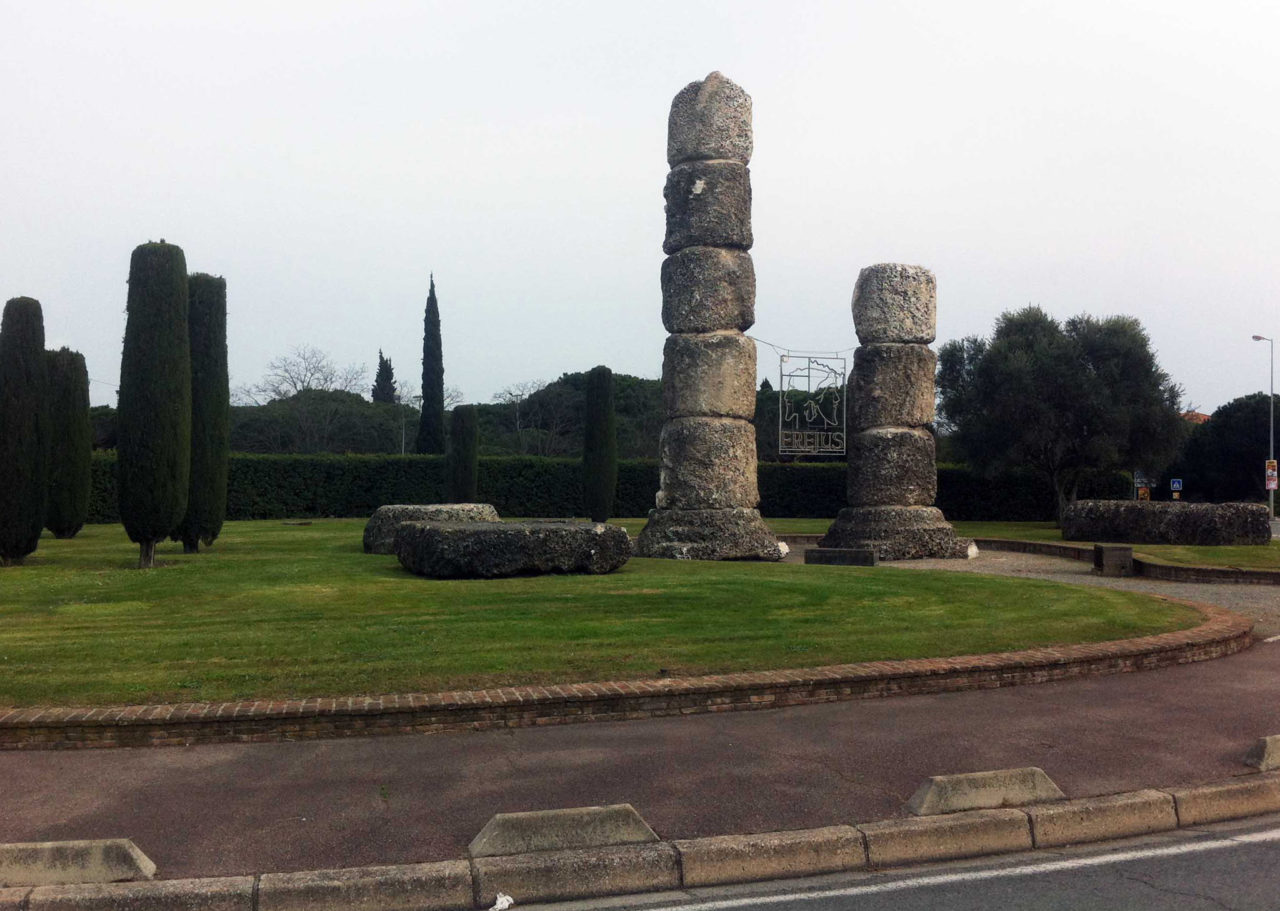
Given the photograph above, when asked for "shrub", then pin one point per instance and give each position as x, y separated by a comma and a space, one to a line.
599, 446
464, 447
70, 443
24, 429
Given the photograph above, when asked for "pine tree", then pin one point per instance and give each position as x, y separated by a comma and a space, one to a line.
154, 413
70, 443
431, 425
599, 446
210, 413
463, 461
384, 383
24, 429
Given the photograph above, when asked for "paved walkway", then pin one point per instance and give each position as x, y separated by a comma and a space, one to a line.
291, 806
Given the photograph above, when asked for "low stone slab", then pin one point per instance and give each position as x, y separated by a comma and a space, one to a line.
1252, 795
1265, 754
565, 875
930, 838
412, 887
47, 863
557, 830
842, 556
1144, 522
983, 791
380, 531
1073, 822
490, 550
772, 855
229, 893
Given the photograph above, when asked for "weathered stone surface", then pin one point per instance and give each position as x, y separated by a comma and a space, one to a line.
895, 303
707, 289
710, 119
708, 534
707, 463
931, 838
1250, 795
892, 466
487, 550
1264, 755
897, 533
223, 893
48, 863
891, 386
442, 886
983, 791
708, 204
380, 531
770, 855
1074, 822
546, 876
1143, 522
709, 375
560, 830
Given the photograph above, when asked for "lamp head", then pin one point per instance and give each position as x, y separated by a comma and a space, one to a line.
1261, 338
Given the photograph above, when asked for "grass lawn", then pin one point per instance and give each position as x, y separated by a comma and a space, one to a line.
278, 610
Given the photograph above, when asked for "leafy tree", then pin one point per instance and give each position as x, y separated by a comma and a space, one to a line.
304, 368
600, 446
1223, 458
210, 414
431, 422
102, 419
154, 414
463, 463
24, 429
384, 382
1064, 400
70, 443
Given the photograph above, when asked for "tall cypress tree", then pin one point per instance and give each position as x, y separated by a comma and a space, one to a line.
463, 462
153, 418
24, 429
384, 382
210, 413
431, 425
70, 443
599, 446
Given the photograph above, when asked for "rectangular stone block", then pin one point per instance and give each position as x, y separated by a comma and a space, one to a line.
1250, 795
707, 463
1112, 560
1072, 822
930, 838
987, 790
842, 556
232, 893
771, 855
49, 863
1264, 755
708, 204
556, 830
14, 899
565, 875
708, 289
891, 386
709, 375
430, 887
892, 467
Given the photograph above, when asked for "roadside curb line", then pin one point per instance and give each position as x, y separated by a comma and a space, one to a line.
565, 875
1142, 566
1222, 633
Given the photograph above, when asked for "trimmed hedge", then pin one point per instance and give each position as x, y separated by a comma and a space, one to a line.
311, 486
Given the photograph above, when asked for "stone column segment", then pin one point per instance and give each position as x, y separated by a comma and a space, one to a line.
706, 507
893, 471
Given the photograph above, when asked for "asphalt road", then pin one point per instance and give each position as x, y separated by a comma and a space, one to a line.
1234, 865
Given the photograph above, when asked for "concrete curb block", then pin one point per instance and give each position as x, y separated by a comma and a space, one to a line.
1142, 566
1265, 754
566, 875
54, 863
983, 791
561, 830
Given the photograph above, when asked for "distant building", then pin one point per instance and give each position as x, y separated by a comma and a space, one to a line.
1194, 417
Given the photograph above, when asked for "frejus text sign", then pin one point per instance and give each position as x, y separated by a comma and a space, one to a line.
811, 405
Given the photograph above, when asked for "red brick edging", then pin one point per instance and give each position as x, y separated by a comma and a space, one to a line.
1223, 633
1150, 569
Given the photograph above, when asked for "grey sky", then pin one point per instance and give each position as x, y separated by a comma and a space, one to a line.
1102, 157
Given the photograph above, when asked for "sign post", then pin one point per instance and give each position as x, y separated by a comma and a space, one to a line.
811, 406
1271, 474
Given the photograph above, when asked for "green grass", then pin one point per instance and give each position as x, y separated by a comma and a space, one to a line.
278, 610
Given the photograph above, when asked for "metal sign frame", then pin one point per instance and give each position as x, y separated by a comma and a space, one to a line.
812, 406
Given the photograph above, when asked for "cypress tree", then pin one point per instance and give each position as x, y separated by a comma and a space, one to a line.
431, 424
599, 446
210, 413
154, 413
384, 382
70, 443
24, 429
463, 460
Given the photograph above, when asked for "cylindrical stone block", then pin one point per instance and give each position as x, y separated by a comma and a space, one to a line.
707, 463
708, 203
891, 386
710, 119
895, 303
710, 375
706, 289
892, 466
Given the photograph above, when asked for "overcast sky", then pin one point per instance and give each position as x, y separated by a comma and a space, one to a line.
1100, 157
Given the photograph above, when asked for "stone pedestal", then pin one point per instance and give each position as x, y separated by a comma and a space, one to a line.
706, 505
893, 472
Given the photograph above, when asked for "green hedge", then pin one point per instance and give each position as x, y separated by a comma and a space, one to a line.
309, 486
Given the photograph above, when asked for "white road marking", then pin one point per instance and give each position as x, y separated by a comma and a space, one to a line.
945, 879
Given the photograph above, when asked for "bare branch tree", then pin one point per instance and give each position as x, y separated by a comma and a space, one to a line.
304, 367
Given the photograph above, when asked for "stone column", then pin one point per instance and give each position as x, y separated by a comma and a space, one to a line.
893, 472
706, 507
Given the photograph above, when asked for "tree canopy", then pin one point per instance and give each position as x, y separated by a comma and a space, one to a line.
1065, 400
1223, 459
384, 382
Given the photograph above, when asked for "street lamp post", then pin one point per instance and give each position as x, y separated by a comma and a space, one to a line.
1271, 448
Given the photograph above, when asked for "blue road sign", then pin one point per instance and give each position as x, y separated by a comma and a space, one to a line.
1175, 483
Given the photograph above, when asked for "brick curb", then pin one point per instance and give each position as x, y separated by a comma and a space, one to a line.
1223, 633
566, 875
1142, 566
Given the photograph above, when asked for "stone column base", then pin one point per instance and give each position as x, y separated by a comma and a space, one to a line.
708, 534
898, 532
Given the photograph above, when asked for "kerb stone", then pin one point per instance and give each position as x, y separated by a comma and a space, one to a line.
545, 876
230, 893
48, 863
443, 886
772, 855
552, 830
1073, 822
1265, 754
983, 791
930, 838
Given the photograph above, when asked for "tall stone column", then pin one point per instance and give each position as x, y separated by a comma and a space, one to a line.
706, 507
893, 472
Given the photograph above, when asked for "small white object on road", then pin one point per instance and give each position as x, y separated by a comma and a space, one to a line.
504, 902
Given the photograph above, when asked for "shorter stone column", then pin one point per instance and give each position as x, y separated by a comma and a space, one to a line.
893, 472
